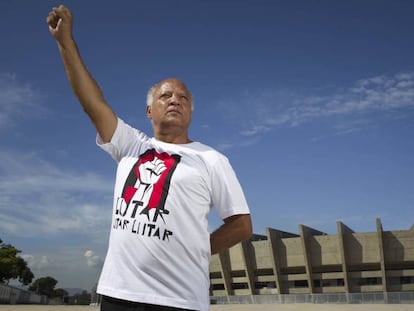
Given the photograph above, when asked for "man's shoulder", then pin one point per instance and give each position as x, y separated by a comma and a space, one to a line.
208, 152
125, 128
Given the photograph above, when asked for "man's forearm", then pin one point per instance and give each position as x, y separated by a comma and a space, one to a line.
87, 90
234, 230
83, 84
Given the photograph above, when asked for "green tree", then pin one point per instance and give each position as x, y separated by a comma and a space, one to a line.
13, 266
44, 286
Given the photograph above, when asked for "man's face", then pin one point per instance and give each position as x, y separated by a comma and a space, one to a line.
171, 105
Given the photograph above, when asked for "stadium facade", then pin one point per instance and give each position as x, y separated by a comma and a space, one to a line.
313, 262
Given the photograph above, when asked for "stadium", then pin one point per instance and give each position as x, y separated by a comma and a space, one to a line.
312, 266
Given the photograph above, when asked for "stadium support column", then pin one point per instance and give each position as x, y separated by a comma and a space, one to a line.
382, 259
342, 230
306, 232
249, 264
273, 236
225, 272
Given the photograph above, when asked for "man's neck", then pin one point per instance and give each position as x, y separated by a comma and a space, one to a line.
172, 138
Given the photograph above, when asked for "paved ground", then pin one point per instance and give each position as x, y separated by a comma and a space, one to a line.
258, 307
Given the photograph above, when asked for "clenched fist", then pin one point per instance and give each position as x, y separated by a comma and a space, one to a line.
60, 23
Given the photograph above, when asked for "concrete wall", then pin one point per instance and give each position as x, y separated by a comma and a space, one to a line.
314, 262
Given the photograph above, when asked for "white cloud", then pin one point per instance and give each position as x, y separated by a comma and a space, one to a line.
93, 260
17, 100
66, 264
256, 129
40, 198
37, 262
362, 102
378, 94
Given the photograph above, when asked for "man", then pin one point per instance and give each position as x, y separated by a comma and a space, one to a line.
159, 247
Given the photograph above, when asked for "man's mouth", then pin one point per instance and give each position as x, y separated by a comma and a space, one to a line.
173, 111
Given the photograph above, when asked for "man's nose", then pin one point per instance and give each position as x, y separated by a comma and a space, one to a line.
174, 100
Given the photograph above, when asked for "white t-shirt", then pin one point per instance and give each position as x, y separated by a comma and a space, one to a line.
159, 246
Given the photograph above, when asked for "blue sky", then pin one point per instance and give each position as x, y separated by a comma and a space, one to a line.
312, 101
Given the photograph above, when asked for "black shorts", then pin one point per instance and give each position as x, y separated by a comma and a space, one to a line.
114, 304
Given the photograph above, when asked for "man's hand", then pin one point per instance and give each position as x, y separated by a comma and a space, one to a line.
60, 24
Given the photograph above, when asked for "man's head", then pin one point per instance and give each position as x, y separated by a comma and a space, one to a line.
169, 107
151, 91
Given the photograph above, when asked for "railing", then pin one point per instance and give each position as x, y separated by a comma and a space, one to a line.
338, 298
13, 295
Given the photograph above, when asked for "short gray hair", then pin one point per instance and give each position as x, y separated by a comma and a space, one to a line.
150, 95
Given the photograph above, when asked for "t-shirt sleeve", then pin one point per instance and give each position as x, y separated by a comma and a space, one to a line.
227, 194
125, 141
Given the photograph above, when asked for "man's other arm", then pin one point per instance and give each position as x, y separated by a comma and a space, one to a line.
235, 229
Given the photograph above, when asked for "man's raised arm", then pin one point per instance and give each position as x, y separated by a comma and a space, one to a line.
83, 84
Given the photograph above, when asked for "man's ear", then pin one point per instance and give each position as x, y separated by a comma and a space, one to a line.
149, 114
